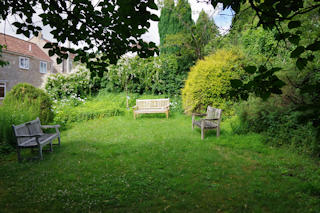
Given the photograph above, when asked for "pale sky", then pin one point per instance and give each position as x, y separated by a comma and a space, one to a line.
221, 18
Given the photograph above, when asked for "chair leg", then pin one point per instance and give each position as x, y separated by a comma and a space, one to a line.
40, 152
202, 129
19, 154
192, 122
202, 133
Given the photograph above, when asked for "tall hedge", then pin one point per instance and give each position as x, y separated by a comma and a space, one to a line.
208, 82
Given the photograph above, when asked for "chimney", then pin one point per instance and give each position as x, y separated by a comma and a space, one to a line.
30, 47
40, 35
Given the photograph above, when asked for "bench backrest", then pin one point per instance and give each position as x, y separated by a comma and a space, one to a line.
28, 128
152, 103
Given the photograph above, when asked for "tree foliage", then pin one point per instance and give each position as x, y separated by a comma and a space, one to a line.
203, 31
156, 75
284, 16
111, 28
174, 19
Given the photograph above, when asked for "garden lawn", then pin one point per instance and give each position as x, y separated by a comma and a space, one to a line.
153, 164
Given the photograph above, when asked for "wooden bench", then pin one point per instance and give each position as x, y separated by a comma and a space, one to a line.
144, 106
30, 135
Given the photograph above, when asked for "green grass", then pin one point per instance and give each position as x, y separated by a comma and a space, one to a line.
153, 164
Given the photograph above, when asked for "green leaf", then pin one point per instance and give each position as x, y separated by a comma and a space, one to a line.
314, 47
294, 24
275, 69
152, 5
262, 69
250, 69
301, 63
310, 58
294, 39
59, 60
154, 17
236, 83
47, 45
297, 52
51, 53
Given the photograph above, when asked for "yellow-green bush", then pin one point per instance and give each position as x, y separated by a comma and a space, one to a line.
208, 82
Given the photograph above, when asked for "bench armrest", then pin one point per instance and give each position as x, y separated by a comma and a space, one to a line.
50, 126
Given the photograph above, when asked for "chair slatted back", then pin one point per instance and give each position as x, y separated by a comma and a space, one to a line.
213, 113
29, 128
152, 103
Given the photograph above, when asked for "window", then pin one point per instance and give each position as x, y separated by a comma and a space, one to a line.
43, 67
24, 63
2, 90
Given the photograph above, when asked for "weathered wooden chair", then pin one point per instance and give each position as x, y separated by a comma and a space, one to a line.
211, 121
30, 135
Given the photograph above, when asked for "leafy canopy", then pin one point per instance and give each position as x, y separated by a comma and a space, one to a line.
110, 28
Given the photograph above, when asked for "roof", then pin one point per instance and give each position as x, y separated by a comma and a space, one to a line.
22, 47
40, 36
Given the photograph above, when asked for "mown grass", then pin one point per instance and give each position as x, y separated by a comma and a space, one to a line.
153, 164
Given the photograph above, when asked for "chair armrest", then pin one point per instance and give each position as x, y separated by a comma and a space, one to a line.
50, 126
210, 119
29, 136
199, 114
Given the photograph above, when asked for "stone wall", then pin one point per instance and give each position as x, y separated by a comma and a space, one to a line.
12, 74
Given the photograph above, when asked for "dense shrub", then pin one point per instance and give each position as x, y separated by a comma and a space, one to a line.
208, 82
156, 75
279, 123
23, 103
65, 85
26, 96
105, 104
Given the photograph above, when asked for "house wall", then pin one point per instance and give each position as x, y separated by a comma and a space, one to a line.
57, 68
12, 74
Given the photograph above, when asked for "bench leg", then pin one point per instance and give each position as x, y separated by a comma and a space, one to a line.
19, 154
167, 114
218, 131
51, 148
59, 140
134, 115
40, 152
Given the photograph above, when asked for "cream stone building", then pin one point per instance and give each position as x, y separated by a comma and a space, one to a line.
28, 61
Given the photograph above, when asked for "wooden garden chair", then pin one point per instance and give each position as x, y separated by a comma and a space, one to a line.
211, 121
